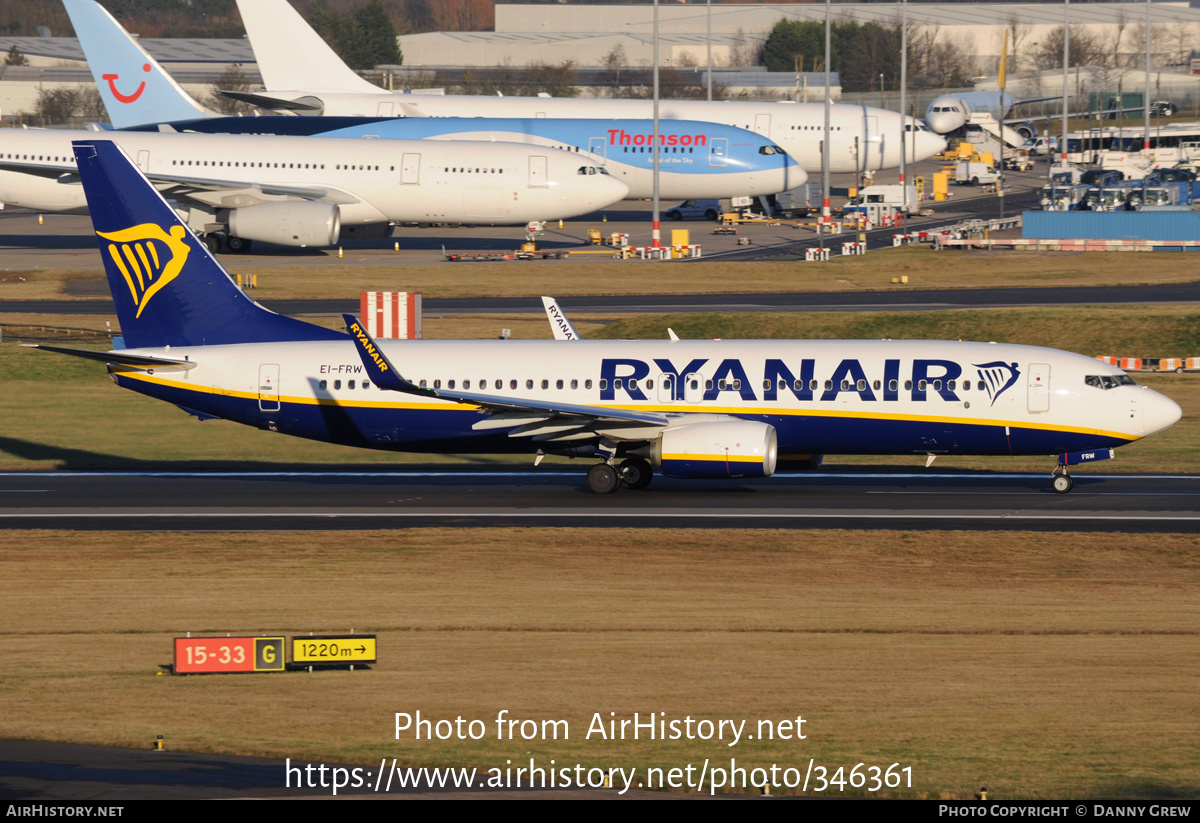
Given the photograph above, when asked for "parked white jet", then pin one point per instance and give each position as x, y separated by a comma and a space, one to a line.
301, 191
691, 408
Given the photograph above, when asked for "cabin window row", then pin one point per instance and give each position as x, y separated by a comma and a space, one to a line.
512, 384
661, 149
721, 385
46, 158
255, 165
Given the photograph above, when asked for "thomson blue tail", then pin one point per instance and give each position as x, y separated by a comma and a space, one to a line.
168, 288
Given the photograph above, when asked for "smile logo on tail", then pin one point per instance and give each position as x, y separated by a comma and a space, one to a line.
998, 377
147, 257
125, 98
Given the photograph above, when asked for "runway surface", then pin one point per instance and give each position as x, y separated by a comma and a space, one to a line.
915, 300
893, 499
36, 772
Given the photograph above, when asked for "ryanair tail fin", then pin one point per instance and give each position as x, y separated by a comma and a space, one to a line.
168, 289
134, 87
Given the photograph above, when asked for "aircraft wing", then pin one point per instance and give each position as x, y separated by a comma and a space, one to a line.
1035, 100
41, 169
120, 358
1058, 115
540, 420
182, 185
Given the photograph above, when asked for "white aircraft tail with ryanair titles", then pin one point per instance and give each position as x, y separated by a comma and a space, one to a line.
686, 408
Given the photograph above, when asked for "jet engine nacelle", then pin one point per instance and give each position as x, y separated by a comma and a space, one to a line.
1027, 130
292, 223
721, 448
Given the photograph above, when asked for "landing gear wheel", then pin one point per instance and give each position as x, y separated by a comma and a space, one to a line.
1063, 483
237, 245
602, 479
213, 242
635, 472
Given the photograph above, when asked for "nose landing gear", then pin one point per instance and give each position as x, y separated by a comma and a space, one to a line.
1061, 481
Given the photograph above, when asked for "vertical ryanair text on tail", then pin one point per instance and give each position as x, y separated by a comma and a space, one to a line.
686, 408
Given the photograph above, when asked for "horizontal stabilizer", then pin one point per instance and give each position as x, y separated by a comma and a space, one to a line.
266, 101
120, 358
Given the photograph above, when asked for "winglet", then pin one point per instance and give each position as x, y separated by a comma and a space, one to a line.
383, 374
563, 330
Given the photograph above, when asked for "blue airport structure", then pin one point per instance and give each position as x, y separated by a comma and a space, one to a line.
1116, 225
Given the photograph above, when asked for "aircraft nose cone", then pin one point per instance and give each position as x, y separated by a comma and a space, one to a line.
944, 122
606, 191
1159, 412
794, 176
929, 144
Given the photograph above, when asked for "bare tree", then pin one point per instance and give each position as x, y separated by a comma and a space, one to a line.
742, 52
1120, 22
91, 105
614, 62
1161, 44
1182, 40
1018, 32
56, 106
1085, 50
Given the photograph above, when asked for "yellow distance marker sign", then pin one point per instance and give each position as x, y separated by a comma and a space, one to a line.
333, 649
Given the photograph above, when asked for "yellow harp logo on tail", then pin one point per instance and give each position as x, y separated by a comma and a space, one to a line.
147, 257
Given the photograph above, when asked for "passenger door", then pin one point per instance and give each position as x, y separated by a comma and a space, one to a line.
599, 147
410, 170
1039, 387
718, 150
268, 387
537, 172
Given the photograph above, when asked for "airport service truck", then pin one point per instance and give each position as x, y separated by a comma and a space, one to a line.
885, 196
800, 201
974, 173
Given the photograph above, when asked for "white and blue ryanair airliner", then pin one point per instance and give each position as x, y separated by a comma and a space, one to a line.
698, 408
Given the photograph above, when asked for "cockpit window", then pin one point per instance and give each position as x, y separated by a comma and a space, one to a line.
770, 150
1108, 381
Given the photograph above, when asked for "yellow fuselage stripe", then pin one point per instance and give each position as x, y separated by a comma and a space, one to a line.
445, 405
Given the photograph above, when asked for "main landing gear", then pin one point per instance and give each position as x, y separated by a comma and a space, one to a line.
1062, 481
234, 245
633, 472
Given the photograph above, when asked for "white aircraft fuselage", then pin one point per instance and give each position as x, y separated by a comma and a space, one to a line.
819, 396
953, 111
370, 181
863, 138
